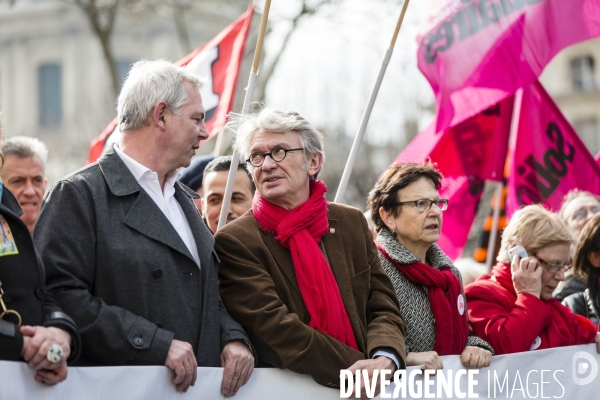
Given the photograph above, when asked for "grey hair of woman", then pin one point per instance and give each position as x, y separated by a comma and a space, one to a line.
147, 84
275, 121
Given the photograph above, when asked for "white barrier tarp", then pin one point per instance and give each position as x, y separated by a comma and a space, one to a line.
567, 372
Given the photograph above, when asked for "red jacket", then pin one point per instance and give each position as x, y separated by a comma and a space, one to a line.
513, 323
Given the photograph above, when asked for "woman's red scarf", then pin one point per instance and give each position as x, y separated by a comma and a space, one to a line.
451, 328
300, 230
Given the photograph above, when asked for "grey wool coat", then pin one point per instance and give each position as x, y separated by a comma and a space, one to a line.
117, 266
414, 298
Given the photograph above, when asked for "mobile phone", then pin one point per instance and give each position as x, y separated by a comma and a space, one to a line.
517, 250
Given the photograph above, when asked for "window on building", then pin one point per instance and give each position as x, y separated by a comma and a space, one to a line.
582, 73
50, 94
588, 132
123, 67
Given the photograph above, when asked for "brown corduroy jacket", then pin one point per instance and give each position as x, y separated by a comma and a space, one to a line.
259, 289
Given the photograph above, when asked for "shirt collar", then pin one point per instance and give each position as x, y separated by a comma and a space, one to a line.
142, 173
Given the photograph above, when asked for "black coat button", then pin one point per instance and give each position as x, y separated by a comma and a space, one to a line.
138, 341
7, 297
158, 324
157, 273
39, 292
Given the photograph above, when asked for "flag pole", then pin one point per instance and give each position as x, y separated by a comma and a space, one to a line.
489, 259
219, 142
339, 196
514, 126
235, 158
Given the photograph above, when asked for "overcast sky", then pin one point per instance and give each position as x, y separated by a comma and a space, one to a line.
330, 65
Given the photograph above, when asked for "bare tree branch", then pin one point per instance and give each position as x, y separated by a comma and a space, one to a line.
102, 19
267, 72
179, 11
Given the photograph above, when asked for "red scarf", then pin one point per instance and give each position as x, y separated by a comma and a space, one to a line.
300, 230
451, 328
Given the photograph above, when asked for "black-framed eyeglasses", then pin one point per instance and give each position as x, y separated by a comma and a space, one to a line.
554, 267
277, 154
423, 205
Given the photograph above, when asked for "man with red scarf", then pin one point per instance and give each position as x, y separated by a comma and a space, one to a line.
300, 274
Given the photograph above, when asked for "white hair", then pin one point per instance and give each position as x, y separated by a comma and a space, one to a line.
147, 84
275, 121
26, 147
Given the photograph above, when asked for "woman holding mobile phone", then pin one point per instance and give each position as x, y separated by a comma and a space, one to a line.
514, 309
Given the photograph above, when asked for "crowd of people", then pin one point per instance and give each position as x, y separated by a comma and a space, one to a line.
124, 265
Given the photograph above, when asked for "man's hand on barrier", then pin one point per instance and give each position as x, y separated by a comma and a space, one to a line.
429, 359
37, 340
475, 357
182, 360
378, 363
238, 361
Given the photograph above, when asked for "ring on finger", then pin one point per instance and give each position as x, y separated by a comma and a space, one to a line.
55, 353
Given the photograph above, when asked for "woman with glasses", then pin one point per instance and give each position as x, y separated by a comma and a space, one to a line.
407, 211
514, 309
587, 266
577, 209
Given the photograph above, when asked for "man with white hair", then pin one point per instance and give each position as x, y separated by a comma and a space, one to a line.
126, 251
300, 274
24, 174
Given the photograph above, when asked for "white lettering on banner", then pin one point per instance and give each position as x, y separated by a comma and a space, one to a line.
412, 384
514, 387
418, 386
428, 382
526, 375
533, 384
444, 383
384, 382
505, 381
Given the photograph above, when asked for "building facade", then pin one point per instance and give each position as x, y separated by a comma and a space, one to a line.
54, 80
573, 80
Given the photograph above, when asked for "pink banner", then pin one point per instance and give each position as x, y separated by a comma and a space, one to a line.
477, 52
548, 158
467, 155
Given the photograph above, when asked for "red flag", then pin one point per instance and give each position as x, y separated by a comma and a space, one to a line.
475, 53
219, 60
467, 155
548, 158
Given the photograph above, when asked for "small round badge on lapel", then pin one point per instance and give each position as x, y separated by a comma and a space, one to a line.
331, 230
460, 304
536, 343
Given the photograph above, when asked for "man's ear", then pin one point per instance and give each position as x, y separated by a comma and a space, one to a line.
158, 115
594, 258
315, 163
